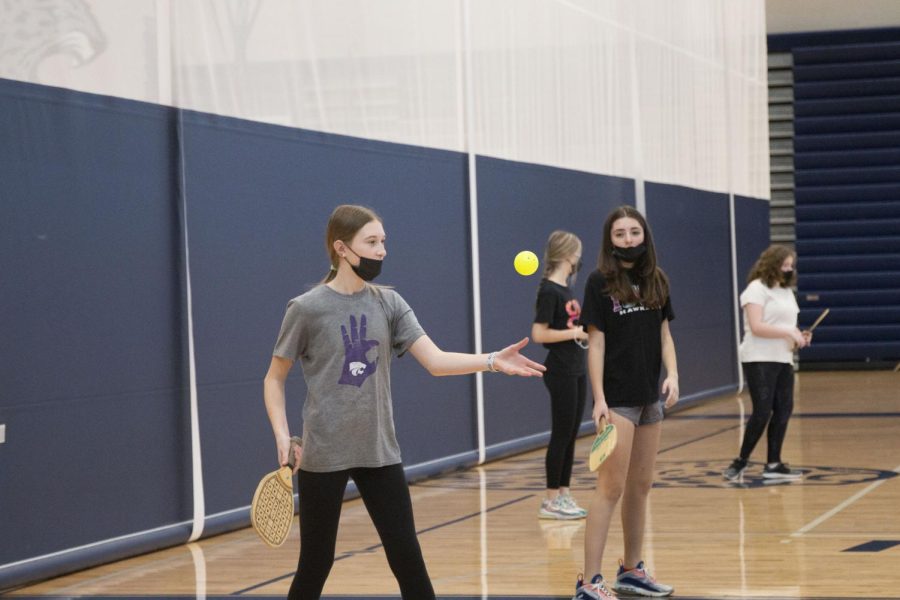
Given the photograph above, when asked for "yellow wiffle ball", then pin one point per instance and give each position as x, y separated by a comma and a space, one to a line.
526, 262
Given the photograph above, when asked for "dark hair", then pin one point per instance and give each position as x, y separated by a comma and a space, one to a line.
345, 222
767, 267
651, 280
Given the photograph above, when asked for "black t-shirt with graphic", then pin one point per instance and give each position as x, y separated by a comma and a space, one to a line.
633, 357
557, 308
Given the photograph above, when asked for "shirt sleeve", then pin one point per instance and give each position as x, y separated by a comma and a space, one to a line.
405, 327
755, 293
545, 307
291, 343
592, 309
667, 312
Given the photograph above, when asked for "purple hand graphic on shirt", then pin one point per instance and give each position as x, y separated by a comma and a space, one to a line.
356, 366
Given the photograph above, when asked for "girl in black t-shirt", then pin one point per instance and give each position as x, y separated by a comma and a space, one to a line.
556, 326
627, 313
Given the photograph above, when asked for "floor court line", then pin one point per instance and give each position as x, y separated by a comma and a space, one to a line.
376, 546
848, 502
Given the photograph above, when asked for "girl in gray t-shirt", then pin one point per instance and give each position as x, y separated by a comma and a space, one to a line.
344, 333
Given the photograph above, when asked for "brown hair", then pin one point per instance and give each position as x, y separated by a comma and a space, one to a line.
767, 267
560, 246
345, 222
651, 280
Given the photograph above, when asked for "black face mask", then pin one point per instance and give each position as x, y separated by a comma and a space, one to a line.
575, 268
368, 268
787, 276
629, 254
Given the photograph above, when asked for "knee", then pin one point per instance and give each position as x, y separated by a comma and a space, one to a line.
640, 487
609, 491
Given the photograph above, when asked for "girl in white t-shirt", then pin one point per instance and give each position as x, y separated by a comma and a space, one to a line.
767, 357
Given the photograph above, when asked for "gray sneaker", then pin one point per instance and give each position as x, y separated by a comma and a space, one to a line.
735, 470
555, 509
569, 502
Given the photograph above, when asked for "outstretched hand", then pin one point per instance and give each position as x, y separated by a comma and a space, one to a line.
511, 362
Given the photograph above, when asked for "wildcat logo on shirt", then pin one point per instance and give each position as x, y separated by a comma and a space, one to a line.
357, 367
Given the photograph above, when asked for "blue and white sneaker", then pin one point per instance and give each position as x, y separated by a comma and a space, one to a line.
595, 590
638, 582
569, 502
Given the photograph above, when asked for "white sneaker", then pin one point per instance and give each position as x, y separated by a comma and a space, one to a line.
569, 502
555, 509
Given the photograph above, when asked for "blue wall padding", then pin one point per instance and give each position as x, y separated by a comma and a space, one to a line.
94, 310
692, 234
93, 371
260, 196
751, 224
518, 207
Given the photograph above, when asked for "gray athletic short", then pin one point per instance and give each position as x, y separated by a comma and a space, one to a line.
641, 415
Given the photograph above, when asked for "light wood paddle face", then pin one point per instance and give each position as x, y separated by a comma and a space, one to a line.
603, 445
272, 509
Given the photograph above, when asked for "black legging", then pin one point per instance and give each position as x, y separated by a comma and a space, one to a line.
771, 386
386, 495
567, 396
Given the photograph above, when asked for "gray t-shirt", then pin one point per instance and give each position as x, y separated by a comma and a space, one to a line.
344, 344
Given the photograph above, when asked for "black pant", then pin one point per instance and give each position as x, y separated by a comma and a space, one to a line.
567, 395
386, 495
771, 386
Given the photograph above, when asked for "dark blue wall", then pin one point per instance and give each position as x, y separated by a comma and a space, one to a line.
519, 206
93, 304
92, 365
692, 233
259, 197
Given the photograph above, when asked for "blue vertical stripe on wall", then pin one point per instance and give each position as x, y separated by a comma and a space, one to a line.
519, 205
692, 234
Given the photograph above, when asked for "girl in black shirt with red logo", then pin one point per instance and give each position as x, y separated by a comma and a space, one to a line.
556, 326
627, 312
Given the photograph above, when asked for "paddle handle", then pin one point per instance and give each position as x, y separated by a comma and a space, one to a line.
295, 441
819, 320
602, 424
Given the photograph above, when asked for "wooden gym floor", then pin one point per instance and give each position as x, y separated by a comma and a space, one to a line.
834, 534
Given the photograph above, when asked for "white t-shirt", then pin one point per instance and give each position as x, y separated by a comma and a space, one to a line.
780, 310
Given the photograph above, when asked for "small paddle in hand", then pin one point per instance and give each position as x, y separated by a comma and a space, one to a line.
272, 509
603, 445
